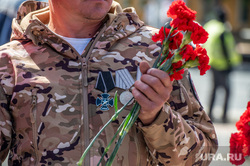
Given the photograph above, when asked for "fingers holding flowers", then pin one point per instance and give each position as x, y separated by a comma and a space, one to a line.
151, 92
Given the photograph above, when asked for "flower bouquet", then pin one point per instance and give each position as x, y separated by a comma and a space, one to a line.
240, 141
176, 55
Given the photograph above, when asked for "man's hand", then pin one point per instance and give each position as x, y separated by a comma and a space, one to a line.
151, 92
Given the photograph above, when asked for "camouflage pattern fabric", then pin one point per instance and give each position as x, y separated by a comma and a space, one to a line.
48, 110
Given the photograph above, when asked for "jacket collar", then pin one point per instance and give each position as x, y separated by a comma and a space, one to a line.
33, 16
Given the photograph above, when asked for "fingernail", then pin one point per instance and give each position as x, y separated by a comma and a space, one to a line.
149, 70
131, 89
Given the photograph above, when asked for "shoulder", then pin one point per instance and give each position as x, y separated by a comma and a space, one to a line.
147, 31
7, 69
11, 46
10, 51
17, 49
6, 50
144, 37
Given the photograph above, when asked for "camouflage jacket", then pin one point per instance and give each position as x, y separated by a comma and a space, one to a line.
51, 109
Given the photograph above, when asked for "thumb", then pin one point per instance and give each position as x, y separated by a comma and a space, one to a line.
144, 66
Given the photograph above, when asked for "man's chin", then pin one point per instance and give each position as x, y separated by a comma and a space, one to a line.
97, 14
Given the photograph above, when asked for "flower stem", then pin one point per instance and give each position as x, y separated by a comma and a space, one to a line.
130, 120
93, 140
107, 148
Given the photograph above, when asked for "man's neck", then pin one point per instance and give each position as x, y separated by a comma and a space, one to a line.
87, 31
74, 28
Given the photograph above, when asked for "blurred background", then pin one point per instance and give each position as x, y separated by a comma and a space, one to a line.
153, 13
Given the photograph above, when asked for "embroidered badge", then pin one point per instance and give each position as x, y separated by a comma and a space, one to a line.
105, 102
105, 83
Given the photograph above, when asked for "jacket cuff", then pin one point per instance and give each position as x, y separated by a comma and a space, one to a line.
153, 130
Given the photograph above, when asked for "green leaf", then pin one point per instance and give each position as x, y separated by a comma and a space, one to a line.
157, 60
116, 102
191, 63
177, 58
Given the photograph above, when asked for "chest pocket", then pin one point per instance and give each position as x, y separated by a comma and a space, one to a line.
43, 110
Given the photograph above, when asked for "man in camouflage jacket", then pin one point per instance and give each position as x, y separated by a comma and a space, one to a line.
51, 106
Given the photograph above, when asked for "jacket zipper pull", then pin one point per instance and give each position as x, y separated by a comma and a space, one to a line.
33, 105
84, 72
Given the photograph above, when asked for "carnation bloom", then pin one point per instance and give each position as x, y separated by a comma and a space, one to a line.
236, 149
177, 75
203, 59
240, 142
188, 53
182, 15
178, 9
177, 65
199, 34
159, 36
244, 123
177, 71
174, 40
176, 53
247, 147
183, 19
181, 24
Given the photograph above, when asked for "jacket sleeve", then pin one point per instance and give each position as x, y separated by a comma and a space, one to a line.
6, 83
182, 133
5, 127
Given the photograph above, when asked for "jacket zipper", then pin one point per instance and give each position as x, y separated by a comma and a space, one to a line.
85, 108
33, 122
84, 63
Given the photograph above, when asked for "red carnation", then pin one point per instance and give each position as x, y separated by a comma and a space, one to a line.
188, 53
159, 36
203, 59
240, 142
199, 34
177, 65
244, 123
181, 24
178, 9
177, 75
247, 147
248, 105
181, 15
175, 40
244, 119
236, 149
176, 45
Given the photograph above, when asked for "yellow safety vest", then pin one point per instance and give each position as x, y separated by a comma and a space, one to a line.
214, 46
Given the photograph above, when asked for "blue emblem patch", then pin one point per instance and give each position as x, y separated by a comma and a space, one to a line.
105, 102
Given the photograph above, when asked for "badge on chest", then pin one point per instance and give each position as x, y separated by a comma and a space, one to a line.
105, 83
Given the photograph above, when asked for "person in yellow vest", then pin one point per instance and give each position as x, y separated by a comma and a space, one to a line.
223, 57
